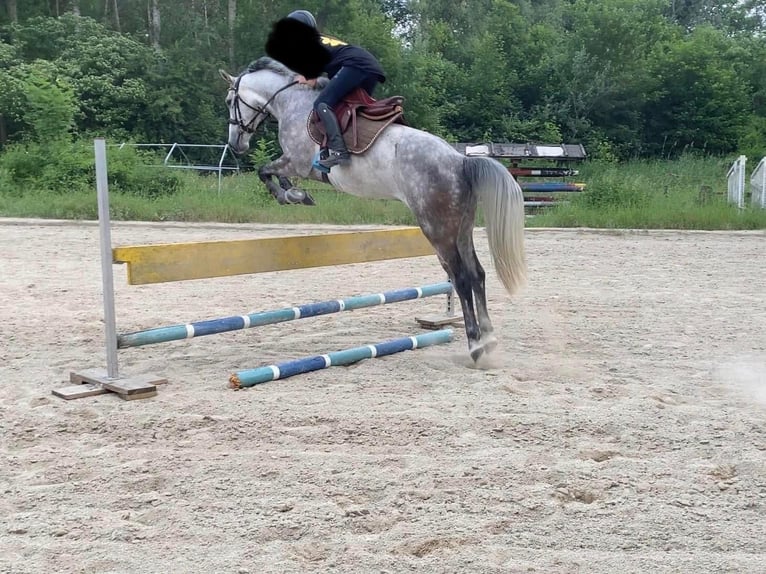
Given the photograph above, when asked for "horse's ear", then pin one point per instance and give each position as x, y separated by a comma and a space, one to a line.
227, 77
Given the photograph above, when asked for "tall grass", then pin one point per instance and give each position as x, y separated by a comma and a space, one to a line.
637, 194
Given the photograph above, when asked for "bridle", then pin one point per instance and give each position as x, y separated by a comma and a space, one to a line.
259, 110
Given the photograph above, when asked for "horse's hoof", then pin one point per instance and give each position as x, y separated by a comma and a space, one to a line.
484, 347
308, 200
476, 354
298, 196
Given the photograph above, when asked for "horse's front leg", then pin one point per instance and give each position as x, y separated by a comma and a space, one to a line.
283, 192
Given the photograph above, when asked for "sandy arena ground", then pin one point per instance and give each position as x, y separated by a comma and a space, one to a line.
622, 430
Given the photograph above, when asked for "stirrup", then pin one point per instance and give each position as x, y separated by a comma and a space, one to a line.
318, 166
334, 158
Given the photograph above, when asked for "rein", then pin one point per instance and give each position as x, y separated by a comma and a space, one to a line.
259, 110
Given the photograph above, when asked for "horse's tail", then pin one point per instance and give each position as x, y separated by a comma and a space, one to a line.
503, 205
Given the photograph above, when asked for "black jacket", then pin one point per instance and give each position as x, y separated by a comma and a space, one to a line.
342, 54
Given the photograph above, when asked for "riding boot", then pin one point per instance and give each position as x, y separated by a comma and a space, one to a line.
338, 153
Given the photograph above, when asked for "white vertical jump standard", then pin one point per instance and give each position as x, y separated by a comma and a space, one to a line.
758, 185
183, 261
736, 182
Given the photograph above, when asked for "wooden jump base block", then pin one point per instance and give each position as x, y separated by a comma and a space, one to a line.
201, 260
238, 322
91, 382
251, 377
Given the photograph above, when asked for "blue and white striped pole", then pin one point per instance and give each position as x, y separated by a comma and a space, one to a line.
251, 377
235, 323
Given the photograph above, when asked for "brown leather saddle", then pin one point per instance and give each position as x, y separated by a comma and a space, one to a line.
361, 118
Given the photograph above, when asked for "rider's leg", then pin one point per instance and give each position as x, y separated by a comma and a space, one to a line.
342, 83
337, 150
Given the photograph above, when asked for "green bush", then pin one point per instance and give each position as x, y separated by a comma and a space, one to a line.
65, 167
263, 151
135, 172
149, 182
53, 166
21, 166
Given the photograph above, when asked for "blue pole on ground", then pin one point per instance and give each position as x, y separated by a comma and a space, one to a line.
251, 377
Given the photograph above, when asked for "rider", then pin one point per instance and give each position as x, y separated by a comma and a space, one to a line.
346, 65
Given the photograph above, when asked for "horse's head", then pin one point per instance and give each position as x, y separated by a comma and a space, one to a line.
246, 111
250, 98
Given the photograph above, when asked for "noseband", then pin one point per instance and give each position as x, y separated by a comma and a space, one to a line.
259, 110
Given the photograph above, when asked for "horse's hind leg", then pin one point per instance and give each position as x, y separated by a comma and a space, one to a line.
452, 238
460, 275
487, 341
462, 281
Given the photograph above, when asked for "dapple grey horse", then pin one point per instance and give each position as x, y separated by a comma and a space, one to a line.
439, 185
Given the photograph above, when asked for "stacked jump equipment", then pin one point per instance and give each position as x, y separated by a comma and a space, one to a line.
161, 263
561, 154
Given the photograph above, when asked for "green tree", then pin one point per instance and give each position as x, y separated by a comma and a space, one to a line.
627, 77
108, 73
721, 14
701, 101
424, 79
601, 71
50, 105
10, 93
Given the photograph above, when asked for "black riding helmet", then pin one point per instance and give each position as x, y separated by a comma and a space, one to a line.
303, 16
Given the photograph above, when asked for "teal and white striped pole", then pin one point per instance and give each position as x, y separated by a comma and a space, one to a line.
251, 377
237, 322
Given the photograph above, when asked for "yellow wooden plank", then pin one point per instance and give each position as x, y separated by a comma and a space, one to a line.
182, 261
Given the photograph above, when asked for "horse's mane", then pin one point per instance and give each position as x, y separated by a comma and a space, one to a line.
266, 63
